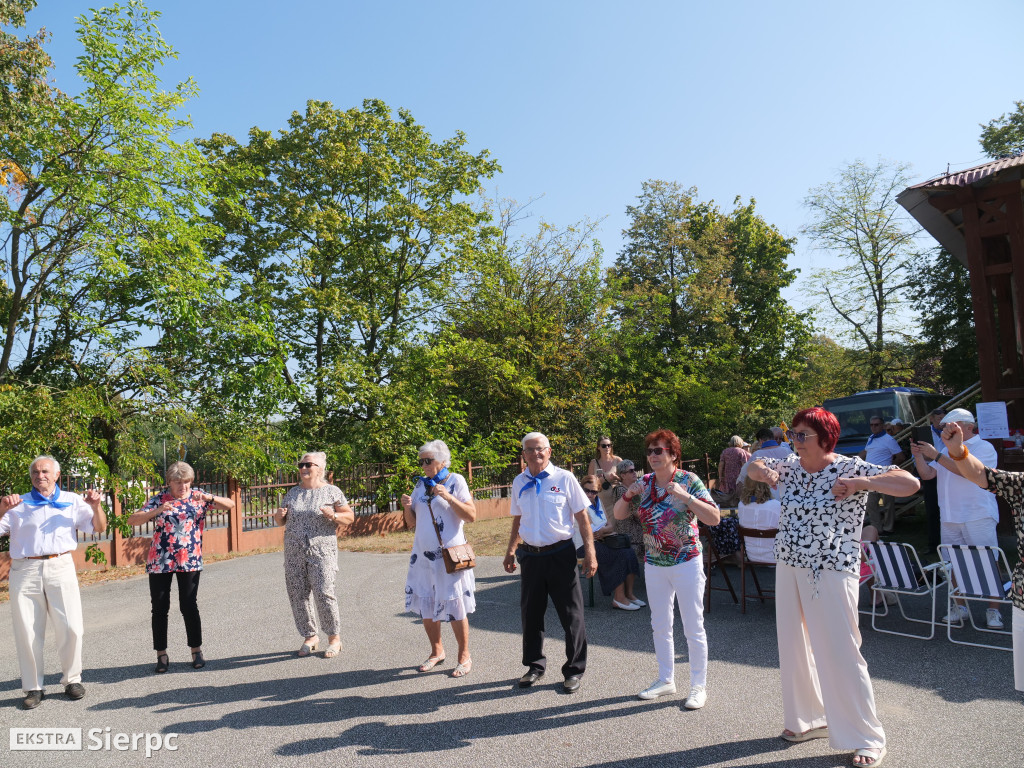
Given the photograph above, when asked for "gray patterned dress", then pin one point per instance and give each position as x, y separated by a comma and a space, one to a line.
311, 558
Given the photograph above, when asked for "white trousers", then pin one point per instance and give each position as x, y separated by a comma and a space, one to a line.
42, 589
1018, 648
666, 584
824, 677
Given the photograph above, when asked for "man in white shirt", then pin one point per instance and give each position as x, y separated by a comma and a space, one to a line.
968, 514
545, 501
771, 442
883, 450
43, 582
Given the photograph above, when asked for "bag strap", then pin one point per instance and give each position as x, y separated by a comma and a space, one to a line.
430, 509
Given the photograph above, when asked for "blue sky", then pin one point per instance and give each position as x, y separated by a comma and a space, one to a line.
581, 102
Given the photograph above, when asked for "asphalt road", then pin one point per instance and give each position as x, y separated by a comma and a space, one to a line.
257, 704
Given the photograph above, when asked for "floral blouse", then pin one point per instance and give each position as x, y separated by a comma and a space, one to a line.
670, 528
816, 530
306, 527
1010, 486
178, 534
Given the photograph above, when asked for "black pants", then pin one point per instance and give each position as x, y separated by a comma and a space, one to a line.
160, 594
554, 575
930, 489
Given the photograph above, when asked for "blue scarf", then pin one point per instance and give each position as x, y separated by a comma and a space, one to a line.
534, 481
36, 499
937, 433
769, 443
600, 512
438, 479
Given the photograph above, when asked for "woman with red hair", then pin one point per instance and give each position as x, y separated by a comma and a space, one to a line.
826, 690
672, 500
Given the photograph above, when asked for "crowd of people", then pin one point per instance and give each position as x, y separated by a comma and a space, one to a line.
605, 524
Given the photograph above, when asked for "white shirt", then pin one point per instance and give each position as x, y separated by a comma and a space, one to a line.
960, 500
598, 520
761, 517
780, 451
47, 530
546, 518
880, 449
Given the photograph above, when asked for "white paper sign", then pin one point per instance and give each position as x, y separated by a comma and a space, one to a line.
992, 421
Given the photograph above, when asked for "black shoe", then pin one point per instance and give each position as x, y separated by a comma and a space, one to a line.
571, 684
74, 691
198, 662
530, 678
32, 699
161, 663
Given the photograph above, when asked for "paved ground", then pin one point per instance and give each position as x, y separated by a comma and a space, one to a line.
256, 704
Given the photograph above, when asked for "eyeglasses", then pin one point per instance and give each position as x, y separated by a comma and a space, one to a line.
799, 436
307, 465
590, 490
604, 445
655, 451
538, 449
424, 462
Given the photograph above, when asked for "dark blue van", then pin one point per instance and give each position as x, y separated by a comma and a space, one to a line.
854, 412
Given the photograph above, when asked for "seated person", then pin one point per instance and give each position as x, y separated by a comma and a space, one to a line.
616, 567
759, 510
631, 526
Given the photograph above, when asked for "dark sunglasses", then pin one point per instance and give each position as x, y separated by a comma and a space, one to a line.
590, 490
425, 462
306, 465
655, 451
604, 445
799, 436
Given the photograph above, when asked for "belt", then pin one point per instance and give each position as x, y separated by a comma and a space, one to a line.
46, 557
546, 548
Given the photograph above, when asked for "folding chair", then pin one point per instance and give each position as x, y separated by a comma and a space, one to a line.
897, 571
713, 560
746, 564
976, 576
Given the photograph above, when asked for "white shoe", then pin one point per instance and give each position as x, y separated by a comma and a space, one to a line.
956, 615
625, 606
638, 602
657, 688
698, 696
992, 619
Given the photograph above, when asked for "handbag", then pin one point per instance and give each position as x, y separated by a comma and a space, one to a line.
458, 557
615, 541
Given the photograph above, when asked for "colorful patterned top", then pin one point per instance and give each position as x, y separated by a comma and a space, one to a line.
1010, 486
670, 528
177, 534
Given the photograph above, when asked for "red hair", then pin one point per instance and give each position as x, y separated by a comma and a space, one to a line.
823, 422
668, 437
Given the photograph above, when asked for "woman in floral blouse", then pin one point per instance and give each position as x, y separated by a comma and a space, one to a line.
826, 690
672, 500
1009, 486
178, 514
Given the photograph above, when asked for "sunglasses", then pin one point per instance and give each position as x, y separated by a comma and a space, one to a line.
799, 436
655, 451
306, 465
604, 445
590, 490
425, 462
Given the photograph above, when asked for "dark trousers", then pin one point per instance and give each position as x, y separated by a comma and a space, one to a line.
552, 575
930, 488
160, 594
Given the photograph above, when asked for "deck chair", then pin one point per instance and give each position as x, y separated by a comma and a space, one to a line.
714, 562
897, 571
746, 564
976, 576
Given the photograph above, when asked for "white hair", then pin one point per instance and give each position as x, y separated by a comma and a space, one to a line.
535, 436
56, 464
736, 441
439, 451
318, 457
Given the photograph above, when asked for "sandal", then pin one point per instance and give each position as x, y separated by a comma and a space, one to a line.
813, 733
875, 754
307, 648
430, 663
463, 668
198, 662
161, 663
332, 650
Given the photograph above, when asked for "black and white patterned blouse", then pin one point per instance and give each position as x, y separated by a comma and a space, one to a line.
1010, 486
816, 530
306, 527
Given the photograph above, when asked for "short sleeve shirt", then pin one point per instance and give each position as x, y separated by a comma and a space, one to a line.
306, 527
670, 527
960, 500
178, 533
880, 449
546, 510
47, 530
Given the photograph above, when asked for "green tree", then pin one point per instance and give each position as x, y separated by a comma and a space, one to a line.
857, 220
1004, 136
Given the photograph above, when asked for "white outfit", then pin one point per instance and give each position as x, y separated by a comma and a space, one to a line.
685, 583
762, 517
42, 589
881, 448
960, 500
431, 591
598, 520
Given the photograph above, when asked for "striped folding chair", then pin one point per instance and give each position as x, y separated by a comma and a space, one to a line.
976, 577
897, 571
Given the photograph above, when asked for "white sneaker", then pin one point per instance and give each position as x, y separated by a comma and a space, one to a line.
992, 619
698, 696
956, 615
657, 688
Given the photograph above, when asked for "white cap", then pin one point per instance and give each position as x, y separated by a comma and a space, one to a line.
896, 421
958, 414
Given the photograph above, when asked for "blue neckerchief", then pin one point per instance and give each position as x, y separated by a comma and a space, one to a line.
35, 499
438, 479
871, 439
769, 443
937, 432
597, 508
534, 481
